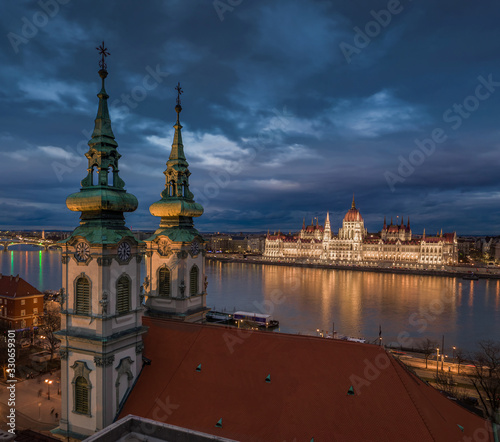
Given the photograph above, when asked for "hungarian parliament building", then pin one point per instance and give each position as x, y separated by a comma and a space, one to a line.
394, 245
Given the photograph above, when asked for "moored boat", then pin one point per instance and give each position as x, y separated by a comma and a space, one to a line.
255, 319
221, 317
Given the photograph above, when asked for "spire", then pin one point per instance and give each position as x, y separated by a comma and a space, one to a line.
312, 221
102, 128
441, 235
353, 206
177, 152
303, 224
177, 206
385, 223
391, 220
327, 222
317, 222
423, 236
102, 198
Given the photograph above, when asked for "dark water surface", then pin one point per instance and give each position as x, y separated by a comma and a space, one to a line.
407, 307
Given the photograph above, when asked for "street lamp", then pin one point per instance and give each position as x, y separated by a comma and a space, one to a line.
48, 382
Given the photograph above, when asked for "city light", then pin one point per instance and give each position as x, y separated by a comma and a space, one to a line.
48, 382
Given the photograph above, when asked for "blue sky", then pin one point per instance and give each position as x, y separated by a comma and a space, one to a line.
289, 107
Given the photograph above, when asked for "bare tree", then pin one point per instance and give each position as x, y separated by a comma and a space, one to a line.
427, 347
445, 382
486, 377
51, 324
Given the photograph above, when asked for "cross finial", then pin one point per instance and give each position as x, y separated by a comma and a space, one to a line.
179, 92
104, 53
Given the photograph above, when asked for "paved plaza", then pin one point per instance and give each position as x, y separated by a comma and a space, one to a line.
34, 409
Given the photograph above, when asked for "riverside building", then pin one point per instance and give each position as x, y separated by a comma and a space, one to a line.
395, 245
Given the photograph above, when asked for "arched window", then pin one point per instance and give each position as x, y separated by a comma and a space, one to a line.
123, 295
164, 282
94, 175
82, 296
193, 281
81, 395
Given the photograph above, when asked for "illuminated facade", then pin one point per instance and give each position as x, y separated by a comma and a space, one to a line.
394, 245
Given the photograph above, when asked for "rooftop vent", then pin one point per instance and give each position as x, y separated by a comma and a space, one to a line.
219, 423
350, 392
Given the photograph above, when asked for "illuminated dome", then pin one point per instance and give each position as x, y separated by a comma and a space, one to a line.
353, 213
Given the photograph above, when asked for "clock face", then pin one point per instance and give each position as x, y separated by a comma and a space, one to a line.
124, 250
195, 248
82, 252
163, 248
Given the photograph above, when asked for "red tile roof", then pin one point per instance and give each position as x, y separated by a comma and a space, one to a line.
313, 228
16, 287
447, 237
307, 395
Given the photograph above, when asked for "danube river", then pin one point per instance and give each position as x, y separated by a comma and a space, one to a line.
407, 307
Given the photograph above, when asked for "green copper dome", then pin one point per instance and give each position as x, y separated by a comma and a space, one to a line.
102, 198
177, 206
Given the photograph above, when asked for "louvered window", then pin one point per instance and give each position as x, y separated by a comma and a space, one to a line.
123, 295
81, 395
82, 296
193, 281
164, 282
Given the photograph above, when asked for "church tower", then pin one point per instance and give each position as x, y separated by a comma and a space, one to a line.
175, 283
101, 314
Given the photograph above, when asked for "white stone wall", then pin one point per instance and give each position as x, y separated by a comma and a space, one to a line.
82, 335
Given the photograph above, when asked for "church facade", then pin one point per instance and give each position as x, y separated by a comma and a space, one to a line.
103, 302
395, 245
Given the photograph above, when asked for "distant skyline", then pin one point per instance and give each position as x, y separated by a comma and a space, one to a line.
289, 107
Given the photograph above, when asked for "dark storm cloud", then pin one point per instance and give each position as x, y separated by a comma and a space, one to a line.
279, 123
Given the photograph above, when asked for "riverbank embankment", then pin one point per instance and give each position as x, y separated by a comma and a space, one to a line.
449, 271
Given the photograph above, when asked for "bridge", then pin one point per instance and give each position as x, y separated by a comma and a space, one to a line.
46, 244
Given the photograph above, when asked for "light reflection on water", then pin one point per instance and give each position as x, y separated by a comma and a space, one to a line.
40, 268
412, 306
304, 300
